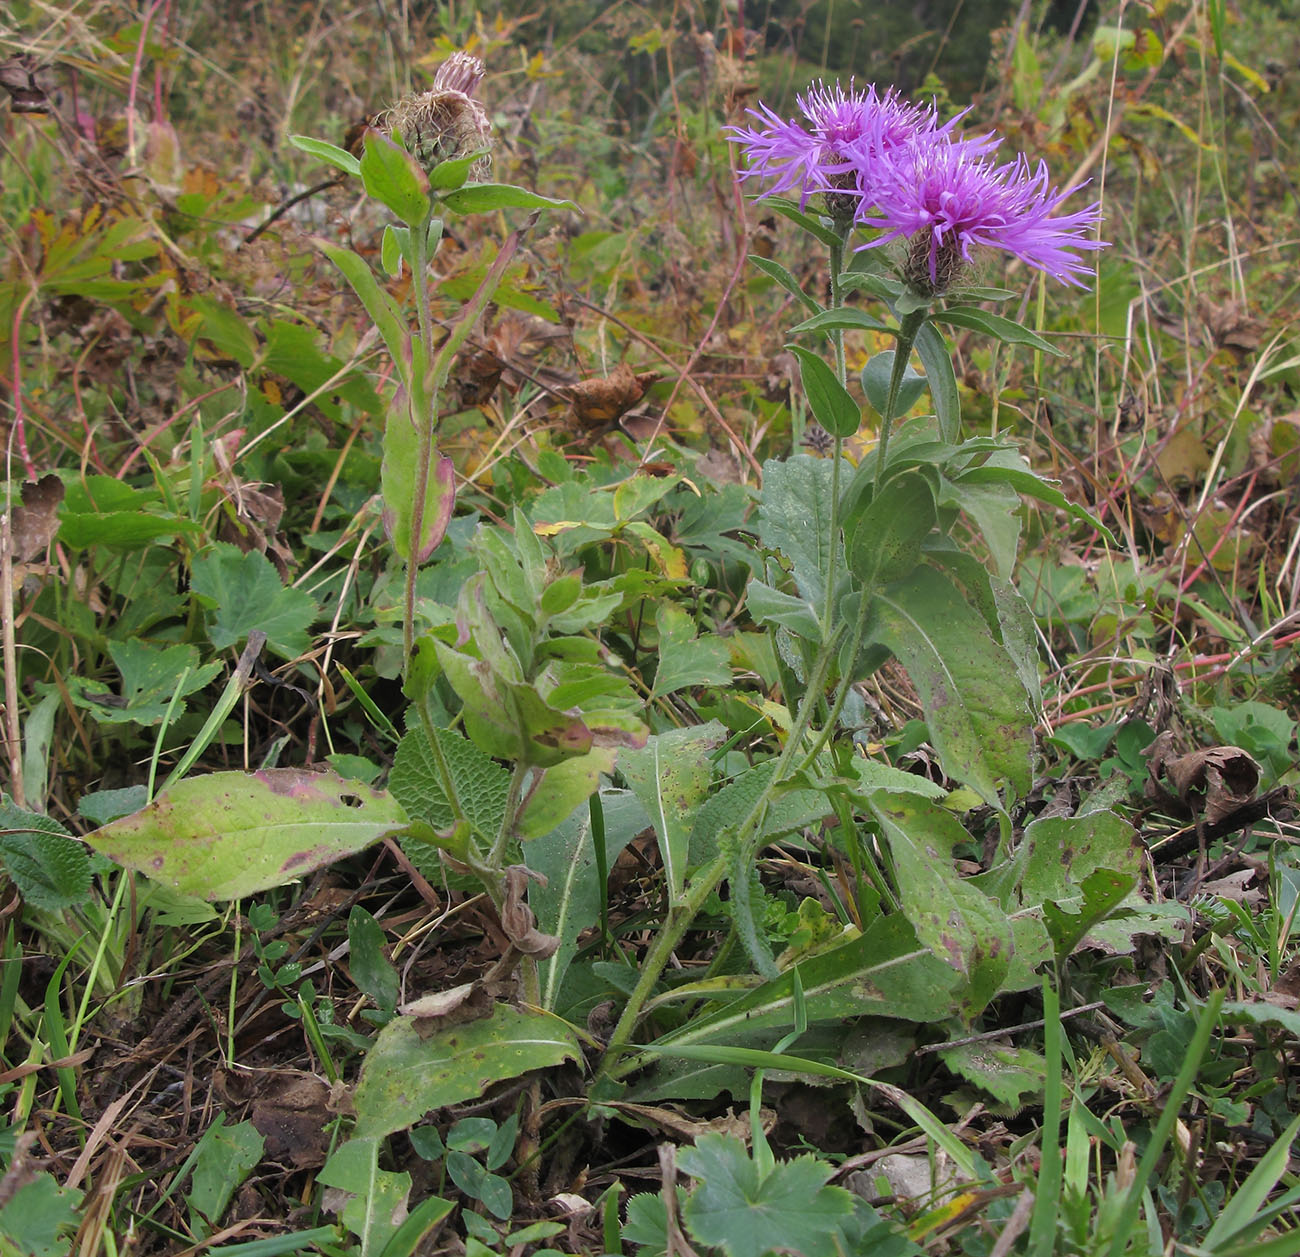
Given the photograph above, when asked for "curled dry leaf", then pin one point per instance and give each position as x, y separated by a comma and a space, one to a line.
34, 523
517, 918
441, 1010
604, 400
1213, 782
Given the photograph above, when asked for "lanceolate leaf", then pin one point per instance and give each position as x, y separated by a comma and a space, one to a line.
1024, 481
832, 404
337, 157
787, 281
1003, 329
977, 715
480, 198
670, 777
795, 518
414, 1067
379, 305
228, 835
570, 900
885, 970
959, 923
932, 349
814, 226
842, 318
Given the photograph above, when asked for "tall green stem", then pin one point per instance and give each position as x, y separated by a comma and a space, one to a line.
909, 327
841, 373
681, 914
423, 410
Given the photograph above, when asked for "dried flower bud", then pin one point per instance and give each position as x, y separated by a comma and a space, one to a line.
446, 122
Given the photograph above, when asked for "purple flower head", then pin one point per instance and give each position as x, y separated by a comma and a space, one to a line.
945, 198
843, 141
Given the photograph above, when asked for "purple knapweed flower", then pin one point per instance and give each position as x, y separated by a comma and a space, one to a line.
839, 148
944, 199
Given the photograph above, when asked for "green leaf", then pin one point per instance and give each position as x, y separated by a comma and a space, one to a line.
150, 676
813, 226
831, 403
885, 539
391, 175
229, 835
884, 970
570, 900
419, 1223
1102, 892
995, 511
223, 1159
685, 659
936, 358
370, 969
875, 384
774, 270
452, 173
50, 869
331, 154
975, 707
788, 811
416, 1066
1031, 485
772, 606
394, 248
482, 786
957, 921
245, 592
1009, 1074
745, 1212
1052, 862
382, 309
1005, 330
398, 488
38, 1219
553, 795
481, 198
226, 330
795, 517
842, 319
376, 1204
671, 777
120, 530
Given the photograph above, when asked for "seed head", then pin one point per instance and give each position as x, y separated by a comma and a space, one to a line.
445, 122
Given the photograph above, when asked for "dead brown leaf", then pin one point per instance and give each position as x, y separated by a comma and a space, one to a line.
1213, 782
34, 524
604, 400
517, 918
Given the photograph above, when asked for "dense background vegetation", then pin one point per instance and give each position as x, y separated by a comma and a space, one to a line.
194, 404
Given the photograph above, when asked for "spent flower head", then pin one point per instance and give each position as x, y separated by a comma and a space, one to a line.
945, 198
447, 121
840, 147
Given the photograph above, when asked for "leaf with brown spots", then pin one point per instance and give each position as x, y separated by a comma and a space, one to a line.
406, 1074
230, 834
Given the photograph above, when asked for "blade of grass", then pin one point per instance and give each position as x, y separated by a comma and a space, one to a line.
1042, 1225
1164, 1127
